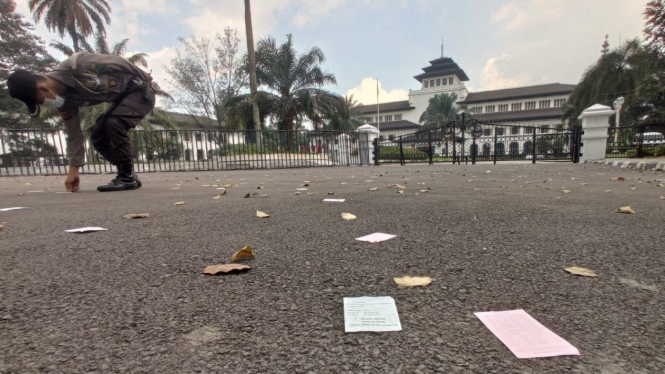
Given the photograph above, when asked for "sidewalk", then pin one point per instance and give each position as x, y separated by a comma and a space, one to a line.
656, 163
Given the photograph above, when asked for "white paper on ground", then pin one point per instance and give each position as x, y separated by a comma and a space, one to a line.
524, 335
87, 229
334, 200
301, 189
14, 208
376, 237
371, 314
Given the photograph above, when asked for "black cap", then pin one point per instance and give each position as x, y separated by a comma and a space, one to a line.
22, 85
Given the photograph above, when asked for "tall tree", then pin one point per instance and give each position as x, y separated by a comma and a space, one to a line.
341, 113
654, 28
441, 110
204, 77
293, 81
19, 49
254, 98
606, 46
73, 17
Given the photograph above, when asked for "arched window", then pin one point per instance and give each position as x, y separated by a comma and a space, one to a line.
487, 149
528, 147
500, 149
514, 148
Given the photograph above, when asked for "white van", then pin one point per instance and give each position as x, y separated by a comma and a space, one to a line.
653, 138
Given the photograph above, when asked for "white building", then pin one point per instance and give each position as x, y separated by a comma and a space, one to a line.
539, 106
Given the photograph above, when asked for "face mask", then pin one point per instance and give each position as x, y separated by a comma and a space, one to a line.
54, 103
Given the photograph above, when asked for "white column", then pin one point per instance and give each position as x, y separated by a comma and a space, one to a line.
366, 135
595, 123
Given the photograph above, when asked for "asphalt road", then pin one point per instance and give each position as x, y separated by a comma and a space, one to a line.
134, 299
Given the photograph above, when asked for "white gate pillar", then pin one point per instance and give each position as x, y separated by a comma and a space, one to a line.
366, 135
595, 123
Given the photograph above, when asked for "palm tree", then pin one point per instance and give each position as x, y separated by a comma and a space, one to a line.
440, 111
293, 82
73, 17
342, 114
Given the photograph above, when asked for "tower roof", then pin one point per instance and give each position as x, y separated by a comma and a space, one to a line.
442, 66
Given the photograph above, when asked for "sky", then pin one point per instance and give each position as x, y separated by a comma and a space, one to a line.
499, 44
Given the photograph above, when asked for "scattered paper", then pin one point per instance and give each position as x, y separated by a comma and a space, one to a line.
376, 237
301, 189
14, 208
333, 200
348, 216
626, 209
261, 214
225, 269
245, 252
371, 314
83, 230
581, 271
408, 281
137, 215
524, 335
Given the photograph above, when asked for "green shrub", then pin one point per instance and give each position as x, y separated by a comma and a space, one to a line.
659, 151
392, 153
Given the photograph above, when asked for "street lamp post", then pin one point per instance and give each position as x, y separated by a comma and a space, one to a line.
617, 106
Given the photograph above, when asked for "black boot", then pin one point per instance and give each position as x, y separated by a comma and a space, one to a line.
126, 180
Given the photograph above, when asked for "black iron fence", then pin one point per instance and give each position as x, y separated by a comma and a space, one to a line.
474, 141
635, 140
42, 152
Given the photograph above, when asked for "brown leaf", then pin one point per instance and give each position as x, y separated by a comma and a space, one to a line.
581, 271
134, 216
373, 189
225, 269
305, 185
259, 187
248, 195
245, 252
179, 203
626, 209
297, 193
621, 179
1, 227
331, 193
662, 197
608, 191
408, 281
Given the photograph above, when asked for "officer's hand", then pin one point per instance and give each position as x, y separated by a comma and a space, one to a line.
72, 182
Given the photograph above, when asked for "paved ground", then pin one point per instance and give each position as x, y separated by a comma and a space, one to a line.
134, 299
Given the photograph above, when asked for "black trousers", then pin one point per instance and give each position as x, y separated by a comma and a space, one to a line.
110, 134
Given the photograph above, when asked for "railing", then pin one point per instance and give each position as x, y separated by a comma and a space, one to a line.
42, 152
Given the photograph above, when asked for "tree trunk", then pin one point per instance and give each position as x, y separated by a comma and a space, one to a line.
254, 96
75, 41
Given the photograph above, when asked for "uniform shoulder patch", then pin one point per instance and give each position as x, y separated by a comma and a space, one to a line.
64, 113
113, 83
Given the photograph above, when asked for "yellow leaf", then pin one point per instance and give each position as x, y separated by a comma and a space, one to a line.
179, 203
373, 189
348, 216
245, 252
581, 271
138, 215
261, 214
225, 269
408, 281
626, 209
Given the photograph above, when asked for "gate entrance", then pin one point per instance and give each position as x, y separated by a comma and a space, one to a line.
471, 141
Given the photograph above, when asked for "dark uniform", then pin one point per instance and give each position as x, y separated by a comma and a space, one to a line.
91, 79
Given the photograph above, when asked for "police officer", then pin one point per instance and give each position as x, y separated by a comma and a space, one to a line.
88, 79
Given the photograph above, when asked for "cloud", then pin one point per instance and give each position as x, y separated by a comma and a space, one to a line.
147, 6
493, 79
513, 16
365, 93
313, 10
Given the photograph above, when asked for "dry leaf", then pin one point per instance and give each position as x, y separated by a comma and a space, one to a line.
261, 214
633, 188
225, 269
373, 189
297, 193
2, 227
566, 191
662, 197
626, 209
400, 191
586, 184
305, 185
581, 271
245, 252
259, 187
179, 203
331, 193
248, 195
227, 186
305, 181
138, 215
608, 191
621, 179
348, 216
423, 191
408, 281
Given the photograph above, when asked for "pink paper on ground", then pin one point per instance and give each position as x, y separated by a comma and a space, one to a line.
524, 335
376, 237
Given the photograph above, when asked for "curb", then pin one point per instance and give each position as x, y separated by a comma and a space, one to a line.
639, 165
